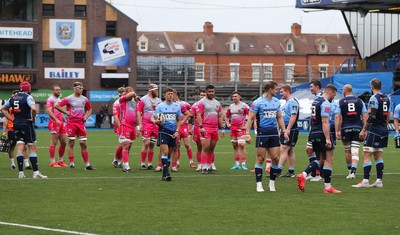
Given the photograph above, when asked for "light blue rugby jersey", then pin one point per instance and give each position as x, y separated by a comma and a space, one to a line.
289, 108
266, 111
397, 112
172, 113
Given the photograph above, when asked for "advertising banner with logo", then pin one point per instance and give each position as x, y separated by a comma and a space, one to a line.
103, 96
16, 33
111, 52
65, 34
38, 95
15, 78
64, 73
42, 120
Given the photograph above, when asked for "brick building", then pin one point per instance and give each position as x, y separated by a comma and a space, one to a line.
241, 61
48, 42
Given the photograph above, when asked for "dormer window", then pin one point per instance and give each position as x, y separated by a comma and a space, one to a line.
234, 45
143, 43
200, 45
323, 46
289, 46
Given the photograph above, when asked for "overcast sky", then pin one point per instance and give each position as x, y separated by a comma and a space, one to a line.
271, 16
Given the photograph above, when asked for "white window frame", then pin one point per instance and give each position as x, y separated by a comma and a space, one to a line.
323, 70
256, 70
199, 71
290, 44
234, 68
200, 45
234, 45
321, 49
267, 73
289, 72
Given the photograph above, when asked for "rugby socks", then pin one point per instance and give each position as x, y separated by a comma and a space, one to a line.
20, 161
85, 156
379, 168
291, 170
312, 167
237, 160
275, 171
312, 159
150, 156
348, 166
243, 160
327, 172
26, 161
212, 157
179, 154
259, 172
61, 151
12, 161
367, 169
353, 168
118, 154
125, 156
52, 150
33, 159
198, 157
190, 154
71, 160
165, 165
143, 158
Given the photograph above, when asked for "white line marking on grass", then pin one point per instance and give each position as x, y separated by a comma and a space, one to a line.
46, 229
178, 175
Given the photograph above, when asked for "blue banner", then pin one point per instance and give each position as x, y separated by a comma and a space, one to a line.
103, 96
42, 120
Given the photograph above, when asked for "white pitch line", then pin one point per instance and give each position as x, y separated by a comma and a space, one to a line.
178, 175
46, 229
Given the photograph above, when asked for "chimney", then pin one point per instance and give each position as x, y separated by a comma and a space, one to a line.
296, 29
208, 28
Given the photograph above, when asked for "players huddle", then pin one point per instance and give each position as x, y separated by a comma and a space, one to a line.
170, 122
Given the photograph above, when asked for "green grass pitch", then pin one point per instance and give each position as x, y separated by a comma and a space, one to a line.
108, 201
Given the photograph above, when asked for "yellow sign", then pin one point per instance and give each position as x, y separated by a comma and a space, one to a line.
15, 78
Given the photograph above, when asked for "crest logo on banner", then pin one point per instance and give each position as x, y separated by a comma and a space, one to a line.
65, 32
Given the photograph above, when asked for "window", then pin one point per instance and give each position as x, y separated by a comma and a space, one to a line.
48, 10
199, 70
179, 46
323, 47
80, 10
234, 71
234, 45
111, 28
289, 73
143, 46
79, 57
323, 70
200, 45
17, 55
267, 72
256, 72
48, 56
289, 46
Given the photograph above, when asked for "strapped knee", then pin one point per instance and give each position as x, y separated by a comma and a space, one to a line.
355, 147
347, 147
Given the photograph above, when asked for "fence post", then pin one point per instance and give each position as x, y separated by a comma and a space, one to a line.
186, 78
211, 74
159, 80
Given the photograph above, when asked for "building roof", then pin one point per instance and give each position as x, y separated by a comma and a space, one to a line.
249, 43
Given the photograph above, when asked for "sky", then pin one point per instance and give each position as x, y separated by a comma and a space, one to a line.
267, 16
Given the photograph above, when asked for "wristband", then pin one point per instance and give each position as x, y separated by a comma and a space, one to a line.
177, 131
201, 126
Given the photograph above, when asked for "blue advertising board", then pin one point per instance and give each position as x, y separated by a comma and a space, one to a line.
103, 96
42, 120
111, 52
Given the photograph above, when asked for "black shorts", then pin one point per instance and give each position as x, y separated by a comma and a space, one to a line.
166, 138
377, 137
350, 134
293, 136
25, 133
11, 138
318, 142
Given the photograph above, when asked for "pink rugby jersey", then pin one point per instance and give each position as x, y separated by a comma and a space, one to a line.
237, 113
128, 112
147, 106
209, 110
50, 103
116, 109
76, 106
193, 112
